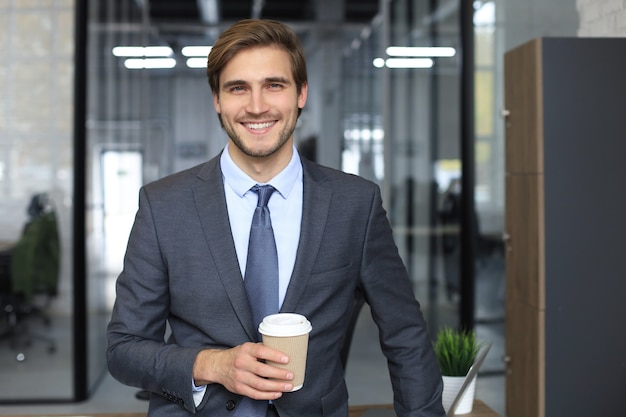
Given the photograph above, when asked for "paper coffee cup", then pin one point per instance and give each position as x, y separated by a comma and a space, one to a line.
288, 333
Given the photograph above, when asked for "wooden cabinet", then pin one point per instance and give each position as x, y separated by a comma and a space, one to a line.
566, 227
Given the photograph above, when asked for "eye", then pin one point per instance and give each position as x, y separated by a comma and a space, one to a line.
275, 86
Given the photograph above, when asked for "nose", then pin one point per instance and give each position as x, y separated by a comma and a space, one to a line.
257, 103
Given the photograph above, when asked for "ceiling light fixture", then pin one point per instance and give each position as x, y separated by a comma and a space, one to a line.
403, 62
141, 51
421, 51
196, 62
149, 63
196, 51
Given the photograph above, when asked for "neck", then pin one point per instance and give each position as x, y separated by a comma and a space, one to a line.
262, 168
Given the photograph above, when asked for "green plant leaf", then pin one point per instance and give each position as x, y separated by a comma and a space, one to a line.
456, 351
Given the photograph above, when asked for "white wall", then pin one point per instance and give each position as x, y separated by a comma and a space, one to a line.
600, 18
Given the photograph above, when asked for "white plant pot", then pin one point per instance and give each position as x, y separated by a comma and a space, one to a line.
451, 386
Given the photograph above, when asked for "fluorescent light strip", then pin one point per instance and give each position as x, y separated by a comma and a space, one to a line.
403, 62
194, 51
149, 63
421, 51
141, 51
196, 62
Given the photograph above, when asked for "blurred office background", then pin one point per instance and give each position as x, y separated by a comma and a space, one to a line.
82, 126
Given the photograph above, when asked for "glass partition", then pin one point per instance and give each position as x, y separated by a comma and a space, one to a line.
36, 200
142, 123
110, 170
401, 129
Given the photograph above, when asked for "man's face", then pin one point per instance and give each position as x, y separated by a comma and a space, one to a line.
258, 102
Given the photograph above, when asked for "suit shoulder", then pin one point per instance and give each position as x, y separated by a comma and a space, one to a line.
173, 180
182, 179
337, 178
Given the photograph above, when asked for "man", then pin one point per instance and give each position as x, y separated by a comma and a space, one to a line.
186, 261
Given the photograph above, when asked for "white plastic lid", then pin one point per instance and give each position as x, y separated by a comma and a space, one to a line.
285, 324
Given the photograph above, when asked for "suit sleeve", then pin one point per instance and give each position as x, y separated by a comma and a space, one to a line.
137, 353
403, 332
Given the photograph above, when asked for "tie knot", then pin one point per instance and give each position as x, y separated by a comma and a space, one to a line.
264, 192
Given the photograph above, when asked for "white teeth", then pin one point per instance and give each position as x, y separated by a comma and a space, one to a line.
259, 125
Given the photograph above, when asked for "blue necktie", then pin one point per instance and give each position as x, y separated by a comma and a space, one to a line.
261, 280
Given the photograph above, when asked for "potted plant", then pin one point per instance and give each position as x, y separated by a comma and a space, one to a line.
456, 352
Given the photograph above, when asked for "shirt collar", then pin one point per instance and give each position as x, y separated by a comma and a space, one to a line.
241, 183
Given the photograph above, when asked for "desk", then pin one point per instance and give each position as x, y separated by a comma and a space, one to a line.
479, 410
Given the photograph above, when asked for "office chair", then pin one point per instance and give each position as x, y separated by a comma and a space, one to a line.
6, 298
29, 276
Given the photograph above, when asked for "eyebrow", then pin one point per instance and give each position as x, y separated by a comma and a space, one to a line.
282, 80
233, 83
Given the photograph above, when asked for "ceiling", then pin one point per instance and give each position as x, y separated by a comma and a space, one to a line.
200, 21
179, 23
291, 11
176, 21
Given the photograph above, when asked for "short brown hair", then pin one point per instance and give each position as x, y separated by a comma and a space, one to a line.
250, 33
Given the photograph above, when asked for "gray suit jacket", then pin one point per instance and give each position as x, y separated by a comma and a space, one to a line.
181, 267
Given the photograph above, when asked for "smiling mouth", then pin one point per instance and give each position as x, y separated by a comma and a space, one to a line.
259, 126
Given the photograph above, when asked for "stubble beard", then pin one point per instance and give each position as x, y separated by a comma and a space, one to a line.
283, 137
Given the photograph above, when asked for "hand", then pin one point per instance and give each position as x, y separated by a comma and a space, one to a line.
241, 371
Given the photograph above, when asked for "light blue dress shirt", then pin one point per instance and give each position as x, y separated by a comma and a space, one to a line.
285, 206
285, 210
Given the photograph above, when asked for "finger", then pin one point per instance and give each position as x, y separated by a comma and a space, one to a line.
252, 368
252, 385
270, 385
272, 363
268, 354
262, 389
270, 370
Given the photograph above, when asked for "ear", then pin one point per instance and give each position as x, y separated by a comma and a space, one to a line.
303, 94
216, 103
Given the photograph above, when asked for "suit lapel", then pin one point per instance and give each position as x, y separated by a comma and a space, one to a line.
213, 213
315, 208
